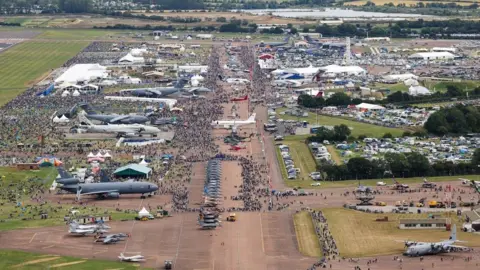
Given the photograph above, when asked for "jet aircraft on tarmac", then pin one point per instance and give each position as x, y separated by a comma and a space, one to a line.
111, 189
423, 248
112, 118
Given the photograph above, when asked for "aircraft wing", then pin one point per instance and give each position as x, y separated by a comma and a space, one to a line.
100, 192
458, 248
119, 118
156, 92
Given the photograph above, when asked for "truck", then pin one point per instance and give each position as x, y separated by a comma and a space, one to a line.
232, 217
432, 204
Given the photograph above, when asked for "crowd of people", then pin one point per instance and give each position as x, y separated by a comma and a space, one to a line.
329, 247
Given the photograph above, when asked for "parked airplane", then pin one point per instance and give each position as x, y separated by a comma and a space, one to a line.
274, 44
234, 123
365, 189
111, 238
122, 130
312, 41
237, 81
135, 258
237, 148
82, 230
397, 185
421, 249
240, 98
66, 178
472, 183
156, 92
112, 118
111, 189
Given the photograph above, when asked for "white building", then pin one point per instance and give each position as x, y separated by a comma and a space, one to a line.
432, 56
376, 39
333, 70
82, 73
444, 49
204, 36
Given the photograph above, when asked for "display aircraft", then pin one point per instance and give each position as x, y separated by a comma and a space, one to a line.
111, 189
156, 92
274, 44
135, 258
397, 185
473, 183
122, 130
240, 98
234, 123
112, 238
66, 178
82, 230
112, 118
237, 148
422, 248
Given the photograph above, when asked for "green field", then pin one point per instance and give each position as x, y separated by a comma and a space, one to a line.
301, 157
373, 182
27, 62
357, 128
10, 259
442, 86
392, 87
78, 34
308, 243
357, 234
16, 187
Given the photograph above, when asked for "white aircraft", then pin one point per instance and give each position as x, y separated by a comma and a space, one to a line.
135, 258
234, 123
82, 230
422, 248
381, 184
237, 81
471, 182
122, 130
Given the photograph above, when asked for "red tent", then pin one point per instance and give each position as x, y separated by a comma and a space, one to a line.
266, 56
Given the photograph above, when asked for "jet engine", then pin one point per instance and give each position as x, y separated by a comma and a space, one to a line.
114, 195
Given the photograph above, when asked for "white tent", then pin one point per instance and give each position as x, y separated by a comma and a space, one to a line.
367, 106
400, 77
64, 119
418, 90
410, 82
99, 155
143, 213
130, 59
107, 155
65, 93
143, 162
350, 70
56, 119
76, 93
90, 155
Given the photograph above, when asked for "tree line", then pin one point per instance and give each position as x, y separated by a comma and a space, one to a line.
453, 91
337, 99
397, 165
456, 120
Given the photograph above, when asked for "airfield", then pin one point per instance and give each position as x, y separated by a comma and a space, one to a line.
257, 240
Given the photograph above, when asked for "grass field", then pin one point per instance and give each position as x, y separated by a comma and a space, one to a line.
78, 34
302, 158
357, 128
406, 2
335, 156
27, 215
10, 259
392, 87
357, 234
442, 86
27, 62
308, 243
373, 182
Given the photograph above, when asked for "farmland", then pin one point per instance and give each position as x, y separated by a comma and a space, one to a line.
26, 63
379, 238
357, 128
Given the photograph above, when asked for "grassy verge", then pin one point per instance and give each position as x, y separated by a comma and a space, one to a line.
301, 157
10, 259
335, 156
308, 243
372, 182
357, 234
26, 63
357, 128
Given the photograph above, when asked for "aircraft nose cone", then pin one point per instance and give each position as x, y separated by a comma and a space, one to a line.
154, 187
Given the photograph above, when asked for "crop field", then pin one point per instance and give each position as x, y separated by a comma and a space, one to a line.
357, 234
373, 182
406, 2
26, 63
357, 128
25, 260
308, 243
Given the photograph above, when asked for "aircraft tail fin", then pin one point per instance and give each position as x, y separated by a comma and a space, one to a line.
453, 234
87, 108
104, 177
180, 83
63, 173
252, 117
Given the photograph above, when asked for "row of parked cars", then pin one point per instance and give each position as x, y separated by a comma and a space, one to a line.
287, 160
